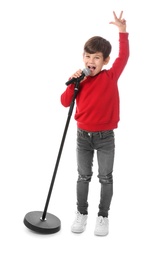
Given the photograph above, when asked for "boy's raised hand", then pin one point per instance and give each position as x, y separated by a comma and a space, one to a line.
119, 22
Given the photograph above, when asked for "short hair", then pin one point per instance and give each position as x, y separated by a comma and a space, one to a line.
98, 44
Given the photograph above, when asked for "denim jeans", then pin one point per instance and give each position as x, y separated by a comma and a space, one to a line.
104, 143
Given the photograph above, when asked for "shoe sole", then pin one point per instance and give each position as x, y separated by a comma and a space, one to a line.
100, 234
77, 230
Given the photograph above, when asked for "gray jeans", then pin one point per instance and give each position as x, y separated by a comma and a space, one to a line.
104, 143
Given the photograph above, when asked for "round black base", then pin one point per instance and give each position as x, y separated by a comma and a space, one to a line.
33, 220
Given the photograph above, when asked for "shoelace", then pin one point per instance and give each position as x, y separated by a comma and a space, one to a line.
101, 221
78, 218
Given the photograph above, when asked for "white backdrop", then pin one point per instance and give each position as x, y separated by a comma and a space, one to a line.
41, 44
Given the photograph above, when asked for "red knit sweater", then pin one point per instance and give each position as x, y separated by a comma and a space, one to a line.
97, 101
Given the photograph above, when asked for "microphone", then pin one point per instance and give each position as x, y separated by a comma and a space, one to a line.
85, 72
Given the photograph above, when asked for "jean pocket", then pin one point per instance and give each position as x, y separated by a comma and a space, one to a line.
109, 133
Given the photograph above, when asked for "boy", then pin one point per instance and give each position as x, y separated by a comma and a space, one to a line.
97, 115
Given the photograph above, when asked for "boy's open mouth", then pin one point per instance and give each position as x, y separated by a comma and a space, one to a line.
92, 68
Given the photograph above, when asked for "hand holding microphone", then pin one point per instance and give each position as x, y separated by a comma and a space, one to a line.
78, 76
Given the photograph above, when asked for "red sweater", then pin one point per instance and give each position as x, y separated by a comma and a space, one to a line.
97, 101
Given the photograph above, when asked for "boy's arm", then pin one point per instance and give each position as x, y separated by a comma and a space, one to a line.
67, 96
121, 61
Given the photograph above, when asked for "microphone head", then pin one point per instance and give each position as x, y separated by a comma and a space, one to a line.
86, 71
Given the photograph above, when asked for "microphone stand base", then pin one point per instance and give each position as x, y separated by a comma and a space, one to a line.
33, 220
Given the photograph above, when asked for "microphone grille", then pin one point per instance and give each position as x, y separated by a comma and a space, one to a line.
86, 71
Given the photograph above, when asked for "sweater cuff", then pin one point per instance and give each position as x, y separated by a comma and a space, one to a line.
123, 35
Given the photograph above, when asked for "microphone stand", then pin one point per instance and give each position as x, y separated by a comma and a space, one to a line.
44, 222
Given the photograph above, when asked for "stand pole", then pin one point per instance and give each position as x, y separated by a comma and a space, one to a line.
60, 152
44, 222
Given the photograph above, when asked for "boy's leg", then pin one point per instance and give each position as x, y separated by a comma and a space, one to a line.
105, 155
85, 154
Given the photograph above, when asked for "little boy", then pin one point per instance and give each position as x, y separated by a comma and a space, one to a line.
97, 115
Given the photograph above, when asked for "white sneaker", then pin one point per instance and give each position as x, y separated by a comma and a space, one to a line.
79, 223
102, 226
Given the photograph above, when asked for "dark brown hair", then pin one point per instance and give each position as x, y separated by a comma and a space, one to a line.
98, 44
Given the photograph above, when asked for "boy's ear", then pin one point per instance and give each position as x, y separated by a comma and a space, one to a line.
106, 61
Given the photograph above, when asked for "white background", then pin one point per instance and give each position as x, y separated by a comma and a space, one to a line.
41, 44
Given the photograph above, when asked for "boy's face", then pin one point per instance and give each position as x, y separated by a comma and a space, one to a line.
94, 62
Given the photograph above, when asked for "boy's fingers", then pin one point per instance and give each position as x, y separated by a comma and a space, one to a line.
114, 15
121, 15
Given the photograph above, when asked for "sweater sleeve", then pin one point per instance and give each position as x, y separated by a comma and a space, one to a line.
67, 95
121, 61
